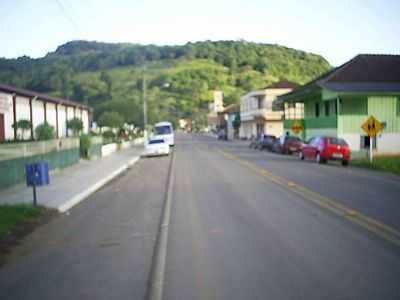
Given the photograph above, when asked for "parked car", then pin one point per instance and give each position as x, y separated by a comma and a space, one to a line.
324, 148
254, 142
267, 142
222, 135
156, 147
287, 145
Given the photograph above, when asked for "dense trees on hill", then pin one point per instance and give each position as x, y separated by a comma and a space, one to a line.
107, 76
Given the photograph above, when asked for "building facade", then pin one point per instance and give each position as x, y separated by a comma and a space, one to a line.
215, 107
21, 104
257, 115
340, 101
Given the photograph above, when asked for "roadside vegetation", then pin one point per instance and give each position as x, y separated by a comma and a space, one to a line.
381, 163
12, 216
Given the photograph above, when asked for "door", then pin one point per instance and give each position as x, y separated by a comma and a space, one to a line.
314, 147
307, 147
2, 132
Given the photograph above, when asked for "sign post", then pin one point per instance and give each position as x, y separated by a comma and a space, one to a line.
372, 126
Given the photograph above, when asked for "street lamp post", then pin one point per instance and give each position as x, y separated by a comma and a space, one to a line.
144, 107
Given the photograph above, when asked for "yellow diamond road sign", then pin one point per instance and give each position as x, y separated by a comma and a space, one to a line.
297, 127
372, 126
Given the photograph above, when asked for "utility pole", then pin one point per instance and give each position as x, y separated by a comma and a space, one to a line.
144, 106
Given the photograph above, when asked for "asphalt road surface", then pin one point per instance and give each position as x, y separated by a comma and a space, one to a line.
235, 233
100, 249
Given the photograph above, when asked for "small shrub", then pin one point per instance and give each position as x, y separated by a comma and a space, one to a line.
76, 125
84, 145
108, 137
44, 132
24, 125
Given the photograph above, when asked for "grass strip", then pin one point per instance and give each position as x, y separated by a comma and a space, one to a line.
13, 215
381, 163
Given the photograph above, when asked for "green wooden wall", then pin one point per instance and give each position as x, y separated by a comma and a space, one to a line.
13, 171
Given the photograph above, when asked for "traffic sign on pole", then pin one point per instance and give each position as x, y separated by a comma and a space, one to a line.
297, 127
372, 126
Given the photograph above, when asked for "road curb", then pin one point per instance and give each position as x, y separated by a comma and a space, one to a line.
94, 187
156, 279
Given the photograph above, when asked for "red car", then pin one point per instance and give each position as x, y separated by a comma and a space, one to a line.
324, 148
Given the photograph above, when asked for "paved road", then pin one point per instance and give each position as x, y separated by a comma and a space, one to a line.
375, 194
101, 249
236, 235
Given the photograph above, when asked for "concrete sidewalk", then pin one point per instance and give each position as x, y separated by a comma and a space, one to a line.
73, 184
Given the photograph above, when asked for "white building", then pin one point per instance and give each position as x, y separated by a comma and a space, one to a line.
215, 107
17, 104
256, 113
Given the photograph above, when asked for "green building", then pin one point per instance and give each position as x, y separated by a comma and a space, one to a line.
340, 101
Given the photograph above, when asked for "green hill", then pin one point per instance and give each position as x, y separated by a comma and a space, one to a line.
108, 76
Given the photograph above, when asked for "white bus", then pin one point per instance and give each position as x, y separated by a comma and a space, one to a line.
165, 131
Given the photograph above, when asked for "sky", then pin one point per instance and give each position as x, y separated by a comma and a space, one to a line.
337, 30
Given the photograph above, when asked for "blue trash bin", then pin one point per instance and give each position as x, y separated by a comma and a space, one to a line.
30, 174
37, 173
42, 171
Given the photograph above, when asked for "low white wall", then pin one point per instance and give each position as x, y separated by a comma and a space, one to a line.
108, 149
138, 141
111, 148
386, 143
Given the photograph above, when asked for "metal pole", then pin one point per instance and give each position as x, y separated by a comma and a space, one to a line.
34, 191
371, 139
144, 106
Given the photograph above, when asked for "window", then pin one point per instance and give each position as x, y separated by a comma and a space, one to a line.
160, 130
151, 142
336, 141
317, 109
326, 104
333, 107
330, 107
364, 142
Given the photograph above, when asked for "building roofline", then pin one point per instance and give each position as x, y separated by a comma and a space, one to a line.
323, 81
32, 94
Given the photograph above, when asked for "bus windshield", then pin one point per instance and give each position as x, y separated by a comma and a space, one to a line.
160, 130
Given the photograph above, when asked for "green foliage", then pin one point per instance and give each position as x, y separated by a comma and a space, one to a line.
24, 125
111, 119
105, 76
108, 137
381, 163
85, 142
13, 215
76, 125
44, 132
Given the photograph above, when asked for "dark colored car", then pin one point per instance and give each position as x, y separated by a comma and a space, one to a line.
267, 142
324, 148
222, 135
291, 144
254, 142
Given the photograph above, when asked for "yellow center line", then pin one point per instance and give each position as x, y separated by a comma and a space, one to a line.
382, 230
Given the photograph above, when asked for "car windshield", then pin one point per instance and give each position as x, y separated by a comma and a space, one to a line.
336, 141
162, 129
151, 142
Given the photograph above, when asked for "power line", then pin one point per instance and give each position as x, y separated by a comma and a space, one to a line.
68, 17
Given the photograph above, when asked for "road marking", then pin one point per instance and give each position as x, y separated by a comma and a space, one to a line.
156, 281
382, 230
